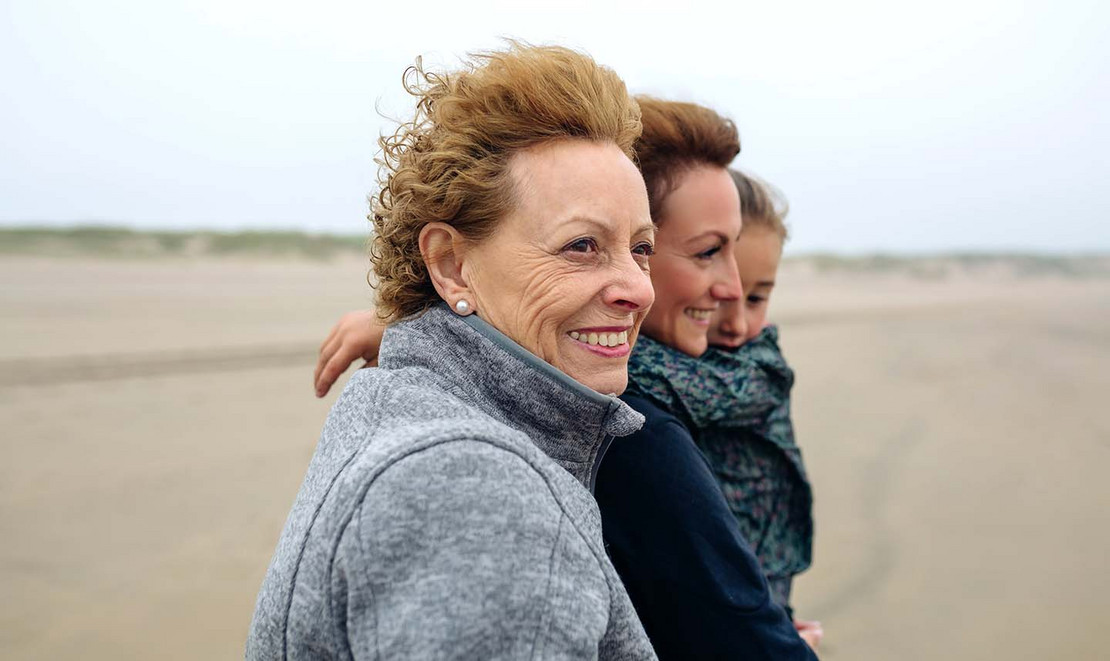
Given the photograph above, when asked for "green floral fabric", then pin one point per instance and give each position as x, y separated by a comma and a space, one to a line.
737, 406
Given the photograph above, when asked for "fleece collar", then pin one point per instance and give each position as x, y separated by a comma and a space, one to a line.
568, 421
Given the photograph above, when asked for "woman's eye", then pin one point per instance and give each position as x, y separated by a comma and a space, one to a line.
756, 300
708, 254
581, 245
645, 249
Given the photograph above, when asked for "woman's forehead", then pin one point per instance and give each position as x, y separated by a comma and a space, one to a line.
579, 181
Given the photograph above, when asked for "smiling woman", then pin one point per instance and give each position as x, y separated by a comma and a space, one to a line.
576, 287
447, 511
683, 154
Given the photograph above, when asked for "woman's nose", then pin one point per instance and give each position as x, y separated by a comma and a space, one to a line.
733, 320
727, 286
632, 287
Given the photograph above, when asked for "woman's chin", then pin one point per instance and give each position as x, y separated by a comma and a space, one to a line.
606, 382
693, 345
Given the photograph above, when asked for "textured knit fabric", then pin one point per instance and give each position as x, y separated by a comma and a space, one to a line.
446, 513
736, 405
695, 582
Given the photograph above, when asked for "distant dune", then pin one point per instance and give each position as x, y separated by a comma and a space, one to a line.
124, 243
101, 241
943, 265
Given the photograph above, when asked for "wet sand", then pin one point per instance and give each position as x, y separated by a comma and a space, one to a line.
157, 419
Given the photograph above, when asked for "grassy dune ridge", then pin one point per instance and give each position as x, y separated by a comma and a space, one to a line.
942, 265
121, 242
124, 243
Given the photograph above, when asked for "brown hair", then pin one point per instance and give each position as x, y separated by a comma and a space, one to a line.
761, 204
677, 137
451, 162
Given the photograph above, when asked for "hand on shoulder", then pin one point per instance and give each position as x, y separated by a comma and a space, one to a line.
357, 335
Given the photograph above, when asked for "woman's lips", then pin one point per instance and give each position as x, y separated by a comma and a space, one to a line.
599, 337
611, 342
700, 316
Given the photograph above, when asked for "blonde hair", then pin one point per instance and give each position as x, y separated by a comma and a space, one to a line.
678, 136
450, 163
761, 204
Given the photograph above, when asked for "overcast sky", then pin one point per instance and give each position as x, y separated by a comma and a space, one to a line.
890, 126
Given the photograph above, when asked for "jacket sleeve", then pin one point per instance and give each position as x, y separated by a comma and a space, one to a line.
693, 579
450, 555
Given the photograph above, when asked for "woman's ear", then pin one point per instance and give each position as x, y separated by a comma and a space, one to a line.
443, 249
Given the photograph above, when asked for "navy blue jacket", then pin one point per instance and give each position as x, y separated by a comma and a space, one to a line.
694, 581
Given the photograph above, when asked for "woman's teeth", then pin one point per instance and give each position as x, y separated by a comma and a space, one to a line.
700, 315
602, 339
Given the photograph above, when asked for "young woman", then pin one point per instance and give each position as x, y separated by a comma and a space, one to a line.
737, 406
671, 534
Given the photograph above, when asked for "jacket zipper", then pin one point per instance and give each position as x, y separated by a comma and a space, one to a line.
605, 441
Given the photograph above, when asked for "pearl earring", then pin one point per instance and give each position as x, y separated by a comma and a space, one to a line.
462, 307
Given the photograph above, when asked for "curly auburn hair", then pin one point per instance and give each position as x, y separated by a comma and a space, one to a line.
451, 162
761, 204
677, 137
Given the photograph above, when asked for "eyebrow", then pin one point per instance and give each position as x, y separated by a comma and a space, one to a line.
695, 239
606, 228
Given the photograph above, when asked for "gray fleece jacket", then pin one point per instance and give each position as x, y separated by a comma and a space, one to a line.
447, 513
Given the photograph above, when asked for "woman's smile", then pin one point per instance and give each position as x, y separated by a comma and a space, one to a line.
700, 316
605, 341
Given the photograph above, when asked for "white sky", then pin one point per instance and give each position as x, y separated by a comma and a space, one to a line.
890, 126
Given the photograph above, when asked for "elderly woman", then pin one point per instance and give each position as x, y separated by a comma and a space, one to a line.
447, 510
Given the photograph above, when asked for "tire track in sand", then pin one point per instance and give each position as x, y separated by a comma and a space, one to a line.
880, 553
56, 370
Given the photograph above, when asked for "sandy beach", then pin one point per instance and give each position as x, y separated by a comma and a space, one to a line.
157, 417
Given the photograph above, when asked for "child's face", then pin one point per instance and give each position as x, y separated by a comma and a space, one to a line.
757, 254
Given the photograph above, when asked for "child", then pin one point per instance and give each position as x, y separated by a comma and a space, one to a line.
751, 447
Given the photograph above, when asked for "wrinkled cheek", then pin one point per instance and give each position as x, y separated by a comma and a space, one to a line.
522, 319
501, 301
545, 336
486, 294
542, 312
